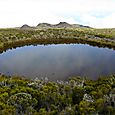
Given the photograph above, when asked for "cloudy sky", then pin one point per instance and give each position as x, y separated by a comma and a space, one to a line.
94, 13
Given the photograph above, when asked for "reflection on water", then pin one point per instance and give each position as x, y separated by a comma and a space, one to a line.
58, 61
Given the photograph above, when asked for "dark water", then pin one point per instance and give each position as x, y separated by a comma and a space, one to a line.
58, 61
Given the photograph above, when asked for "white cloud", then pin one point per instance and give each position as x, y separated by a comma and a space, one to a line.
106, 22
96, 13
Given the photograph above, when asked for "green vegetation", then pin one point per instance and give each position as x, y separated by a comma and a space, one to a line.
17, 37
77, 96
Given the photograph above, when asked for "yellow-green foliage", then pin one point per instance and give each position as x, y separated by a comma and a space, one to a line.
77, 96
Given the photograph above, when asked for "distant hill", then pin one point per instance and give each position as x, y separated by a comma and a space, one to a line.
67, 25
26, 27
59, 25
63, 25
44, 25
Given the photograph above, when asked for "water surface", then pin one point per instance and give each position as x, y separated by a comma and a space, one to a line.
58, 61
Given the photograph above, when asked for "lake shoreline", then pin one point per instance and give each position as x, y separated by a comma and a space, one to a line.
20, 43
16, 38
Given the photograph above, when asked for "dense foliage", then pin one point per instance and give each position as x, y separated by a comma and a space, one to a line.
77, 96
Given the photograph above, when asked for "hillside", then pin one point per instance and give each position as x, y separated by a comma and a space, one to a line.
26, 27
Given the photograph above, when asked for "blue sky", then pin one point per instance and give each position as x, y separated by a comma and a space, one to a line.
94, 13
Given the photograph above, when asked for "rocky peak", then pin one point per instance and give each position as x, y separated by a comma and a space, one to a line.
26, 27
62, 25
44, 25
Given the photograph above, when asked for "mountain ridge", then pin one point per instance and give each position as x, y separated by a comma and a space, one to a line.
59, 25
